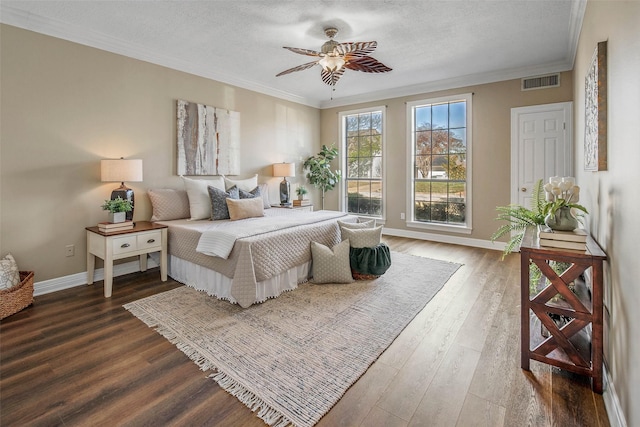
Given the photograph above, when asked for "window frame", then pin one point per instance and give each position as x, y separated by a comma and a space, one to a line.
467, 227
343, 160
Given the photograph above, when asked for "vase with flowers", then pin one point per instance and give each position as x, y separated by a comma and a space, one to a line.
562, 196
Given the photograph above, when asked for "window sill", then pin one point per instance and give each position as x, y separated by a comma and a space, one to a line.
461, 229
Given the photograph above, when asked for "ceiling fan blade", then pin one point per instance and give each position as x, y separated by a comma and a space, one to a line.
367, 64
331, 78
356, 49
301, 51
298, 68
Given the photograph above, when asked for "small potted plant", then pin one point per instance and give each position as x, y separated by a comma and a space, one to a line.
301, 191
117, 209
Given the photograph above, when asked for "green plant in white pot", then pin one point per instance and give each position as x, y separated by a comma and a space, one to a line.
320, 174
117, 208
301, 191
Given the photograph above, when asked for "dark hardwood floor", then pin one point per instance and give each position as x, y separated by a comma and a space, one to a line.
75, 358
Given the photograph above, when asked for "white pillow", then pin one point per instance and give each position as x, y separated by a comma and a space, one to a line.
9, 274
331, 265
264, 193
242, 184
245, 208
199, 201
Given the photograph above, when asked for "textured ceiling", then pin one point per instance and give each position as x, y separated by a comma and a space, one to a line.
430, 45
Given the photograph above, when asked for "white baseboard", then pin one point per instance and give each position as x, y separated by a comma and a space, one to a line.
79, 279
445, 238
612, 403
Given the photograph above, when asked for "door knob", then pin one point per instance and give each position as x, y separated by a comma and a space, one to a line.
524, 189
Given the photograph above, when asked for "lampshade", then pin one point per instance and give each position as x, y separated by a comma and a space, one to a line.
284, 169
121, 170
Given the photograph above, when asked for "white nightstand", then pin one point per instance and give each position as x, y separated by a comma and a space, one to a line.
308, 208
145, 237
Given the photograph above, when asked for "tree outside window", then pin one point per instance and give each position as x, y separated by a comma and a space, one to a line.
439, 137
362, 133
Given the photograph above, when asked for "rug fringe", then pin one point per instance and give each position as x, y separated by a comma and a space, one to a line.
265, 412
203, 363
269, 415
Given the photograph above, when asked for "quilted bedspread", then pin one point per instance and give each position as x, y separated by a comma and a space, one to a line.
257, 257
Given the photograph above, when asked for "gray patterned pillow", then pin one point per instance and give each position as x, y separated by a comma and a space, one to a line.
169, 204
9, 274
363, 238
219, 209
331, 265
256, 192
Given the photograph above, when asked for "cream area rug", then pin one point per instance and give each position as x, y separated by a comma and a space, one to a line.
291, 358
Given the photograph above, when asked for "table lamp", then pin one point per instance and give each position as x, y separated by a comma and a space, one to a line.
284, 170
122, 170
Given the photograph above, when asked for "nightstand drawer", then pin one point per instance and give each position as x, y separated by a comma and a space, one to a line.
124, 244
150, 240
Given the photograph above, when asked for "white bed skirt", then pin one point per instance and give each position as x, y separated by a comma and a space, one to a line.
219, 285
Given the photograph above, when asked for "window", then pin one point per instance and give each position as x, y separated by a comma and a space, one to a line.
362, 134
440, 163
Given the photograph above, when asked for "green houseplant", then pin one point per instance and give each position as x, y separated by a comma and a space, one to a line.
548, 201
117, 208
519, 218
319, 172
301, 191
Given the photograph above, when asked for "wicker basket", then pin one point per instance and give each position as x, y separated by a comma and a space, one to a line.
15, 299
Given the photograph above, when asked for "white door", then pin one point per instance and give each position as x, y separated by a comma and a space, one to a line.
541, 147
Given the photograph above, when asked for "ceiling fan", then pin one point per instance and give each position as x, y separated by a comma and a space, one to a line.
335, 57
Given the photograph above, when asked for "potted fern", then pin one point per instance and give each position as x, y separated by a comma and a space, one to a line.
520, 218
117, 208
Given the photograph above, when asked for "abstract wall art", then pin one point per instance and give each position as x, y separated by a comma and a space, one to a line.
208, 140
595, 111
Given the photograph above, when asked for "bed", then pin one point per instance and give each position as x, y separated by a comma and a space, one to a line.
264, 260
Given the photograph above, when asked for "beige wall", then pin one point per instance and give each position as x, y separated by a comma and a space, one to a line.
65, 106
612, 196
492, 105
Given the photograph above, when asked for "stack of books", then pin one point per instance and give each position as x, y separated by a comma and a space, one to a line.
110, 227
305, 202
576, 239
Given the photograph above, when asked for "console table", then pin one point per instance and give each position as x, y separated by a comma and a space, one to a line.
561, 315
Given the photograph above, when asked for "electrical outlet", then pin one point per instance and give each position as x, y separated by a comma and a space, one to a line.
402, 215
69, 250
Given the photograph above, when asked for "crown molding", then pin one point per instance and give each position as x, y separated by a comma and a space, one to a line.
578, 8
98, 40
95, 39
453, 83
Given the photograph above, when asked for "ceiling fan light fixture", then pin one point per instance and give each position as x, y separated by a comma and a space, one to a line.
334, 58
332, 63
